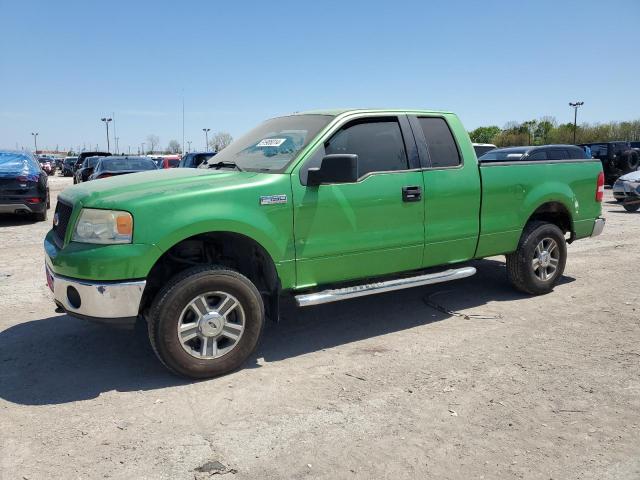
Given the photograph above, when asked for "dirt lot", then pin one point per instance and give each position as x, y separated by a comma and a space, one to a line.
383, 387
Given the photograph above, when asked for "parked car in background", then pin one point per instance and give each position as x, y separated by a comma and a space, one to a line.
68, 165
24, 186
120, 165
627, 190
46, 166
85, 170
617, 158
84, 155
544, 152
169, 161
194, 159
482, 148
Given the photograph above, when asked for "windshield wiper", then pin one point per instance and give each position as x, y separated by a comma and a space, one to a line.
222, 164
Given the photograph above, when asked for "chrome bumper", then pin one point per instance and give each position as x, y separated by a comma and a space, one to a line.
96, 300
598, 227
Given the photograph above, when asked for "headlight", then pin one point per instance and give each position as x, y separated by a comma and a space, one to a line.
103, 226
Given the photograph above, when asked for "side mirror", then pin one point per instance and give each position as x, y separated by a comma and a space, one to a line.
337, 168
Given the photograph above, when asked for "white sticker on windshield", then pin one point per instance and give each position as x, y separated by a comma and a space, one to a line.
271, 142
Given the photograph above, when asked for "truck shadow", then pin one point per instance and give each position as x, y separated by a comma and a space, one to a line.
61, 359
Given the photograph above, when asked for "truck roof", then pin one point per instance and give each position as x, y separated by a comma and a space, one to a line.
341, 111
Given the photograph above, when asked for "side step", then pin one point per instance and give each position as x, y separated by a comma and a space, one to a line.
338, 294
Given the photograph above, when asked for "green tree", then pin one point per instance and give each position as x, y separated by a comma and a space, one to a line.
484, 134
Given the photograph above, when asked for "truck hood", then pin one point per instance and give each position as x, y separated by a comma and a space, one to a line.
124, 190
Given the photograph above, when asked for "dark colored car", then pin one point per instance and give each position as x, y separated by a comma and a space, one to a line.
544, 152
193, 160
618, 158
67, 166
109, 167
86, 169
84, 155
24, 186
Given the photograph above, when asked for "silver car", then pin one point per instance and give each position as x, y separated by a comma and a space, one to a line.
627, 190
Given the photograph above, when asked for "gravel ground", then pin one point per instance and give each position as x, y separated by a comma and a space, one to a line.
453, 381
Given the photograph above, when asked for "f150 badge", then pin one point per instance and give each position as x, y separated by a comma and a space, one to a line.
273, 199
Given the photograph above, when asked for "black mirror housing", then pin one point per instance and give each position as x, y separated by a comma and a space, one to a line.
336, 168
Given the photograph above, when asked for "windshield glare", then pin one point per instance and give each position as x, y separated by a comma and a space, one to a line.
271, 146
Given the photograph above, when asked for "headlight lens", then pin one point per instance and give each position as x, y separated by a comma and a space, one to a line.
103, 226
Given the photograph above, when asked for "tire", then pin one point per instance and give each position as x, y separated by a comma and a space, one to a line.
632, 206
40, 216
175, 305
520, 264
629, 160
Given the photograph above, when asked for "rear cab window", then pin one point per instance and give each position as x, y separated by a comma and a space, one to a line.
442, 147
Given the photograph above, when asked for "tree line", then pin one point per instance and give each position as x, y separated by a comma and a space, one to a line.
217, 142
547, 130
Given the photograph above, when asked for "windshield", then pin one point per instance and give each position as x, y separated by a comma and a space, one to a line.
127, 164
91, 162
271, 146
504, 155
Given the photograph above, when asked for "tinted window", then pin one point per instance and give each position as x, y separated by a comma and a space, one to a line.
557, 154
174, 163
538, 155
442, 147
503, 155
378, 144
198, 159
127, 164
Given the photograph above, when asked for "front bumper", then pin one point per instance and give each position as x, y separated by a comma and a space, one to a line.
598, 227
115, 303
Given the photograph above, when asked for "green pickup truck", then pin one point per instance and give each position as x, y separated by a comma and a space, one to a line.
324, 205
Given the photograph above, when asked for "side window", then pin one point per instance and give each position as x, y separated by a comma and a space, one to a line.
442, 147
538, 155
557, 154
378, 144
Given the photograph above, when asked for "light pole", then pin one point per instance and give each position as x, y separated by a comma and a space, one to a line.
189, 143
117, 138
35, 142
143, 144
575, 106
206, 138
106, 121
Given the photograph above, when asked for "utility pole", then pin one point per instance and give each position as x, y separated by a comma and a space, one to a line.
189, 143
206, 138
106, 121
143, 144
117, 138
575, 106
35, 142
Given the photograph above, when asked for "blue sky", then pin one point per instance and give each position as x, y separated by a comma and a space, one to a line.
65, 64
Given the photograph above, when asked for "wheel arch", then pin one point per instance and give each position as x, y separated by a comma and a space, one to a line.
231, 249
555, 212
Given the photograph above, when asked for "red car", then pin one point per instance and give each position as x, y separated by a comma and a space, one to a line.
169, 161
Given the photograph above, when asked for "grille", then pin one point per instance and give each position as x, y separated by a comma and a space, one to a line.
63, 213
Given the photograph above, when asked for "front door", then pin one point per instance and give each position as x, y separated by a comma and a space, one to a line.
374, 226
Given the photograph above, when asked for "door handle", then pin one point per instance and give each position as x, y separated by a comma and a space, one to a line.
411, 194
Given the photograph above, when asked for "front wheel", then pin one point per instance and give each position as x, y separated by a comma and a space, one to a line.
538, 263
206, 321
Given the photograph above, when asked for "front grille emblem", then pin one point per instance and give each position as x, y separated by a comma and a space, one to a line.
56, 220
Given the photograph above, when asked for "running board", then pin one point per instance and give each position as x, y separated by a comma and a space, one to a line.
338, 294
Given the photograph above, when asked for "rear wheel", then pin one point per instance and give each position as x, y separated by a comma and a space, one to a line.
206, 322
538, 263
632, 205
40, 216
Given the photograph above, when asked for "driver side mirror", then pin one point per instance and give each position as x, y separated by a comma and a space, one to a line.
336, 168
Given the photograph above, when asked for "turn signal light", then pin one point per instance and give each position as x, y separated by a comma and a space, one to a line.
124, 224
